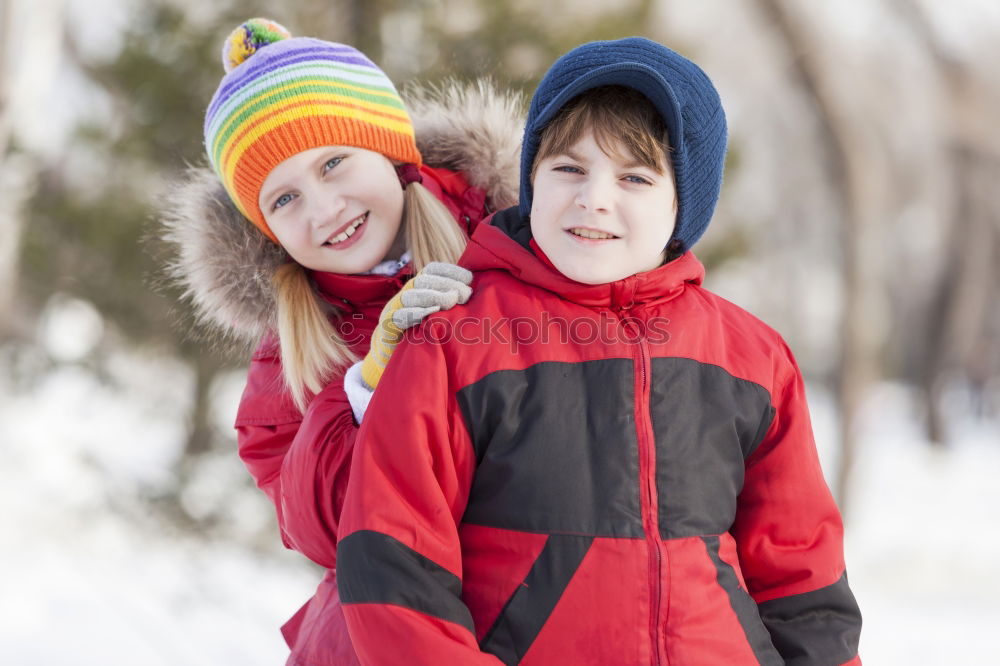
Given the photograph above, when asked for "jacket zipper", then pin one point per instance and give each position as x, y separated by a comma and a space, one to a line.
647, 462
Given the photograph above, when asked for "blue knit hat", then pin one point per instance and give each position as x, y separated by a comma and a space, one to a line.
681, 92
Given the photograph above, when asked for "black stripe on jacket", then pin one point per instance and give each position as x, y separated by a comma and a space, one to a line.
374, 568
815, 628
744, 607
529, 608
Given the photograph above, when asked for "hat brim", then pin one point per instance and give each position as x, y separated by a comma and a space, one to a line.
634, 75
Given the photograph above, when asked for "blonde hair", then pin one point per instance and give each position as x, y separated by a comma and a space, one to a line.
311, 348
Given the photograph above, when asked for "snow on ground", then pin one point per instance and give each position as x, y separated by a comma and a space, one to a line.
82, 584
923, 537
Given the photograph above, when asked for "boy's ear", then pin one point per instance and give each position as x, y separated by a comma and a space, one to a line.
675, 248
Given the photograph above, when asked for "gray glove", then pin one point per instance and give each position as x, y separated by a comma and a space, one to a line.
438, 286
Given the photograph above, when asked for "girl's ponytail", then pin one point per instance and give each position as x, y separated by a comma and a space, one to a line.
310, 347
431, 232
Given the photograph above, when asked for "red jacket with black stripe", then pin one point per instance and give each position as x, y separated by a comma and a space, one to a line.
621, 473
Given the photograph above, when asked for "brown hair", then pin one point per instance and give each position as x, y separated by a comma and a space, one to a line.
619, 117
311, 348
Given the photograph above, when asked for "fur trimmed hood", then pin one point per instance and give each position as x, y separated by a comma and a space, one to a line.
224, 264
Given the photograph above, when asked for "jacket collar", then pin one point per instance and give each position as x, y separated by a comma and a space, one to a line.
503, 242
352, 293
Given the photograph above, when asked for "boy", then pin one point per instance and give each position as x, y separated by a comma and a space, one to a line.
607, 464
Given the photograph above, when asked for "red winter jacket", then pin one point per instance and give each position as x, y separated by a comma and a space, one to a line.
302, 461
621, 473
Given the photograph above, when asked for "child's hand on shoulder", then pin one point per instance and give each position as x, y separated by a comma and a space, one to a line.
439, 286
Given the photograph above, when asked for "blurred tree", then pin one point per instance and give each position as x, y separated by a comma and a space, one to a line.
86, 222
9, 221
17, 167
957, 337
944, 332
857, 171
6, 73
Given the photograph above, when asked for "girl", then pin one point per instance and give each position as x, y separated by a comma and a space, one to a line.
315, 148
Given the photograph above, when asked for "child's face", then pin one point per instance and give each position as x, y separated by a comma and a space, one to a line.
335, 208
600, 218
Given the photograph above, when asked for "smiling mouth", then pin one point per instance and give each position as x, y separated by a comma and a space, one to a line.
591, 234
349, 231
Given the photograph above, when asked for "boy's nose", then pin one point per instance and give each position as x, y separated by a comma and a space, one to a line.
595, 195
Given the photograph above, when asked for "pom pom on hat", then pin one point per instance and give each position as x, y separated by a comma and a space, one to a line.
250, 37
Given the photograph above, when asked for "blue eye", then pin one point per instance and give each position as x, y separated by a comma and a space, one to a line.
283, 200
332, 163
568, 169
638, 180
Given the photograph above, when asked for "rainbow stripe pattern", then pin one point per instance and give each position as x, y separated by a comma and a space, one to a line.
284, 97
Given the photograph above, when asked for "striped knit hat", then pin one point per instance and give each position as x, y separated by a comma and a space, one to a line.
283, 95
680, 91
